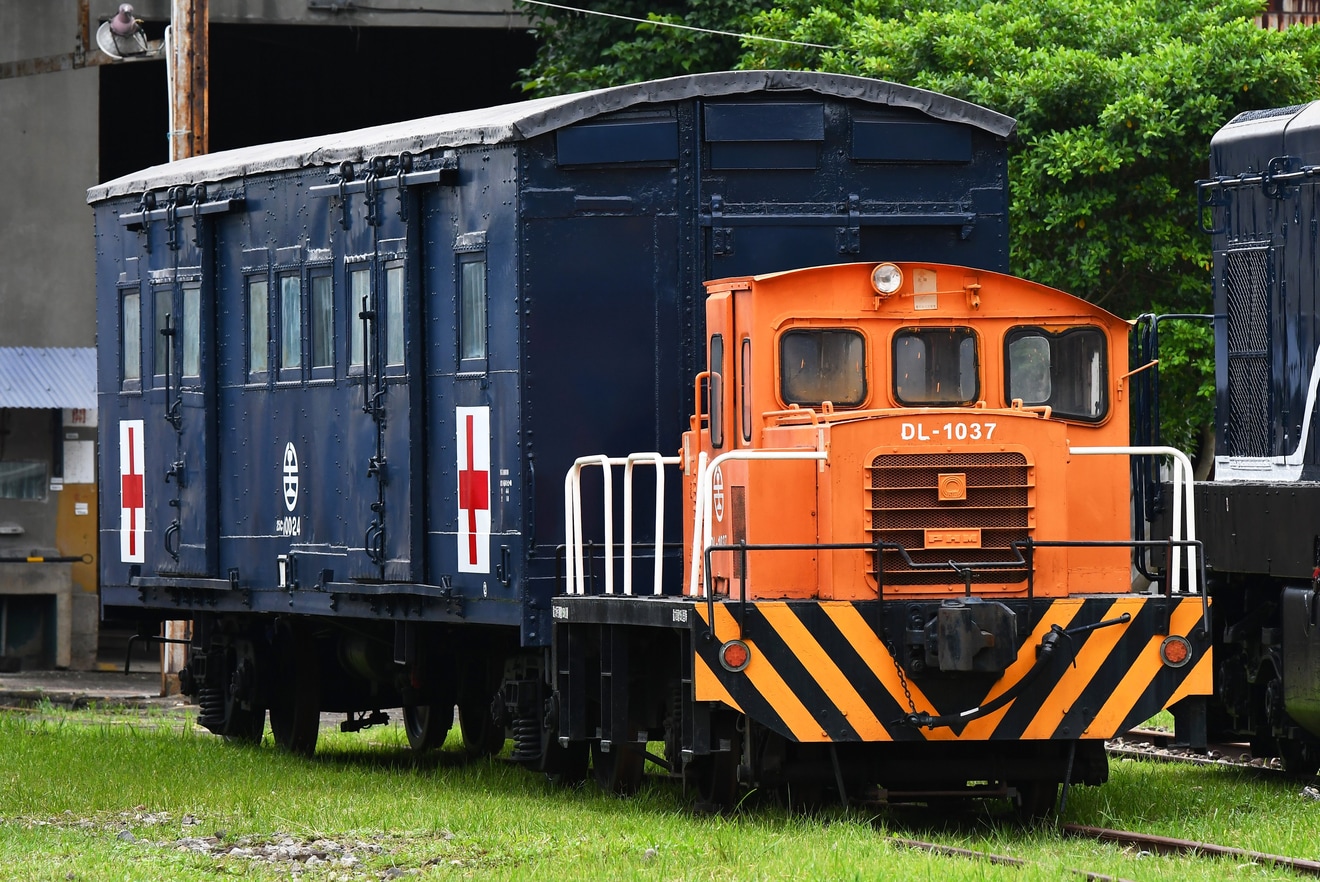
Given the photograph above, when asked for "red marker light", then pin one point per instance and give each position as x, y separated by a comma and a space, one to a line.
735, 655
1175, 651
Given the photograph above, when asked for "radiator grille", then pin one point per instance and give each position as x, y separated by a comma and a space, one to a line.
905, 503
1247, 293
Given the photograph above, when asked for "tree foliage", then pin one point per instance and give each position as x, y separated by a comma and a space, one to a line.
1116, 101
580, 51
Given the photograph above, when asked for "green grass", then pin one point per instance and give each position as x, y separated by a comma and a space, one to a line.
100, 795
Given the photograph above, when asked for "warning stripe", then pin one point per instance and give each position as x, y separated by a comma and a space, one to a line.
1079, 673
766, 683
1199, 682
1141, 673
820, 671
872, 651
1062, 613
708, 687
808, 652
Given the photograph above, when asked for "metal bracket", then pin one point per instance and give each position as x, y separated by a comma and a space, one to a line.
721, 237
850, 237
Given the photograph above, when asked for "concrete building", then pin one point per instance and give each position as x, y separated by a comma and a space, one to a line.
277, 69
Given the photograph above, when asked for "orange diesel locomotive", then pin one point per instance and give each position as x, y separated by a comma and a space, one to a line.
907, 566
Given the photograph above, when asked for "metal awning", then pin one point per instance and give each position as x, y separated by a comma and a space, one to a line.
51, 378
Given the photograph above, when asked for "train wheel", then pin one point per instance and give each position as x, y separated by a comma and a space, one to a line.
619, 771
1301, 759
246, 727
567, 766
295, 713
716, 777
427, 725
482, 736
1037, 798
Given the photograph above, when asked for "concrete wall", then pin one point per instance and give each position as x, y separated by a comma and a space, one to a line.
445, 14
48, 148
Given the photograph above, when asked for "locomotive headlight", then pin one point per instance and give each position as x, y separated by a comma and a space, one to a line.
886, 279
1175, 651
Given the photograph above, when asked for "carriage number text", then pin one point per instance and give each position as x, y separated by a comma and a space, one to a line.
949, 432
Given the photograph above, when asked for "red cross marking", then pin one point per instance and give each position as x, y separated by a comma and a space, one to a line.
473, 493
131, 493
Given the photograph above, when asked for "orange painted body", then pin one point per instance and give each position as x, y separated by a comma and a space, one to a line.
956, 473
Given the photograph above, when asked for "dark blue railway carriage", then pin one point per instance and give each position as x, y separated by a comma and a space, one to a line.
342, 378
1261, 511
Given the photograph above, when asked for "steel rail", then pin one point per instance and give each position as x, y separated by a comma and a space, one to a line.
1168, 845
991, 857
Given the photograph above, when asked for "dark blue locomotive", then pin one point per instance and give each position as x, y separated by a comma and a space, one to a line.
1260, 514
342, 378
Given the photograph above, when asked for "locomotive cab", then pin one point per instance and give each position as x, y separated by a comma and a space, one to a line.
942, 403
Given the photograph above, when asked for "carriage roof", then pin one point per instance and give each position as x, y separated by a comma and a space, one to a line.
527, 119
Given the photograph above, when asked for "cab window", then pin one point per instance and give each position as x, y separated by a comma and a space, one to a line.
1066, 370
936, 366
822, 364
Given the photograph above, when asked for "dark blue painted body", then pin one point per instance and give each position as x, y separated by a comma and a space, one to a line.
1258, 513
352, 490
1266, 230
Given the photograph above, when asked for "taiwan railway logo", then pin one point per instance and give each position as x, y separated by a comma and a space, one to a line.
290, 477
290, 525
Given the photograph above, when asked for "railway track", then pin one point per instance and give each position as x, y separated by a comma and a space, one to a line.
1157, 745
1144, 841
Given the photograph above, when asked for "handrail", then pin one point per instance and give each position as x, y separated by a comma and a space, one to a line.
1182, 476
654, 459
701, 525
574, 563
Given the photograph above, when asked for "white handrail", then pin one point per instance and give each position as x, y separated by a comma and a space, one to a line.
654, 459
695, 579
574, 565
705, 499
1182, 480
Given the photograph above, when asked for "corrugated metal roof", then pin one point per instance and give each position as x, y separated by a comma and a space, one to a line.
47, 378
527, 119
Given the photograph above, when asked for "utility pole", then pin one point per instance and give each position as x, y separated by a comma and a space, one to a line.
186, 56
189, 90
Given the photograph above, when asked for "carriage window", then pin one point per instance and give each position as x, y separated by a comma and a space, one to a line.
359, 299
1066, 370
323, 321
818, 365
472, 305
935, 366
166, 317
394, 315
258, 327
192, 329
132, 336
716, 386
290, 322
746, 388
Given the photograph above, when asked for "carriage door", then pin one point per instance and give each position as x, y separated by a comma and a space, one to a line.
183, 398
385, 348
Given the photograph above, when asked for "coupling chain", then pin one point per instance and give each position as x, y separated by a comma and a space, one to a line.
902, 680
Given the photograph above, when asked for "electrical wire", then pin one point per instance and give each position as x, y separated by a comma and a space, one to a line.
349, 6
